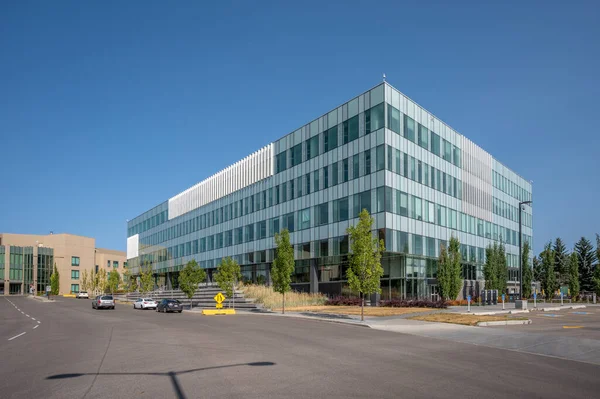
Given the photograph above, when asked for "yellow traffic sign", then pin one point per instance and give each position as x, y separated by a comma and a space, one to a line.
219, 298
219, 306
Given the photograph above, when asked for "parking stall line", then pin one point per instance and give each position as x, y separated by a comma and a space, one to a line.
17, 336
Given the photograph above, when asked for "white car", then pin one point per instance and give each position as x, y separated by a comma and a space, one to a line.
145, 303
82, 294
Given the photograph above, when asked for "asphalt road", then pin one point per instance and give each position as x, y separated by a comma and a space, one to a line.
78, 352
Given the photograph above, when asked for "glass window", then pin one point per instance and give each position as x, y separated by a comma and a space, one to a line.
312, 147
115, 264
324, 248
280, 162
409, 128
283, 192
317, 185
401, 203
418, 208
304, 219
367, 162
345, 170
355, 166
417, 244
74, 274
292, 189
74, 288
393, 119
457, 160
340, 210
322, 214
351, 129
380, 157
423, 139
273, 226
447, 151
362, 201
288, 222
330, 139
435, 144
307, 184
402, 241
374, 118
325, 177
335, 170
396, 166
262, 229
74, 260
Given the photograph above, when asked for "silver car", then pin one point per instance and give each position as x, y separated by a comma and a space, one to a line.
103, 302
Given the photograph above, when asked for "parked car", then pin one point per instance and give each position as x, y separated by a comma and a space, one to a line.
169, 305
103, 302
145, 303
82, 294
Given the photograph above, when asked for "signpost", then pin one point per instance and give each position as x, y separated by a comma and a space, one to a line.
535, 299
468, 303
502, 301
219, 298
48, 290
561, 298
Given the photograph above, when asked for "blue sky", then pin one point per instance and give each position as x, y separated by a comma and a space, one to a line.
109, 108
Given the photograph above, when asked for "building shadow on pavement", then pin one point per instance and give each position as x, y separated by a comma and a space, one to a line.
179, 394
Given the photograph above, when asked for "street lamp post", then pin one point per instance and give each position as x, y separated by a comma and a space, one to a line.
520, 250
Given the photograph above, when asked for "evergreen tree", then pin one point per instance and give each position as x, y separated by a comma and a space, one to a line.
574, 275
587, 257
549, 283
526, 270
283, 265
365, 271
561, 262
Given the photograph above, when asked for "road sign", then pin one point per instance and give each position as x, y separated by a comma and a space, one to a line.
469, 298
534, 295
219, 297
219, 306
502, 297
48, 288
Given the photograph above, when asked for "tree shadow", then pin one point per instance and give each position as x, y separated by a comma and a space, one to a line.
179, 394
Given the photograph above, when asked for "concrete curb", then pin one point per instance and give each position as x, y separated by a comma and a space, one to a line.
554, 309
297, 316
503, 323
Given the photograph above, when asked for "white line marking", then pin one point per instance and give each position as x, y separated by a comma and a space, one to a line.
33, 318
27, 315
22, 312
36, 326
39, 322
16, 336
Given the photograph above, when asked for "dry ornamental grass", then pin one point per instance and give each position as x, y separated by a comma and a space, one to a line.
270, 299
467, 320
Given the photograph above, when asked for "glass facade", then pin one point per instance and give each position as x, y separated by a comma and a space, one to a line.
421, 181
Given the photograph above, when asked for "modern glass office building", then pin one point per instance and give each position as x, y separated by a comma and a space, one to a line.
421, 180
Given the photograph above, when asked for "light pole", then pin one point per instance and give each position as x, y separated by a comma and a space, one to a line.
520, 250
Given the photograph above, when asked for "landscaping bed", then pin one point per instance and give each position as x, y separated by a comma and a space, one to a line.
467, 320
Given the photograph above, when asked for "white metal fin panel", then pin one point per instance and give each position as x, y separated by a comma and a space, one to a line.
133, 244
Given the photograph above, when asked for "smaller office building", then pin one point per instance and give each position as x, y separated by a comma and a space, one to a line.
27, 261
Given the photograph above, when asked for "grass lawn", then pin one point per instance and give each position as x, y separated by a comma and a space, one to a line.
355, 310
467, 320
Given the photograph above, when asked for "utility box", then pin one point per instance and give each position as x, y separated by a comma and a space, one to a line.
375, 298
494, 299
521, 304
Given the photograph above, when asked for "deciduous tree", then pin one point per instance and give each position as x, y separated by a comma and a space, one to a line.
449, 274
283, 265
102, 281
574, 275
55, 281
114, 279
85, 281
189, 278
228, 275
549, 283
146, 279
364, 271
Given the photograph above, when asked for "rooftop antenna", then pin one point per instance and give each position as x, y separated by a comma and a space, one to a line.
384, 78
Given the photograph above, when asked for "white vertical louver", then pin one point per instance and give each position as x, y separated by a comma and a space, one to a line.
249, 170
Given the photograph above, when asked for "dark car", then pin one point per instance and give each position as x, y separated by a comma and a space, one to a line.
103, 301
169, 305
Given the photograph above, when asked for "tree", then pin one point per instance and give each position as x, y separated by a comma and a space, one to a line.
283, 265
227, 276
526, 270
549, 283
85, 281
126, 280
502, 270
585, 252
114, 279
55, 281
490, 267
449, 274
189, 278
561, 263
538, 274
146, 279
365, 271
102, 281
574, 275
596, 280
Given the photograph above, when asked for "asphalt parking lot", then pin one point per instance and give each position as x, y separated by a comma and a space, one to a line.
580, 323
78, 352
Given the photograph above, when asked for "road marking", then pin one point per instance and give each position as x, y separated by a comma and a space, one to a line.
39, 322
27, 315
36, 326
551, 315
33, 318
572, 326
16, 336
580, 313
